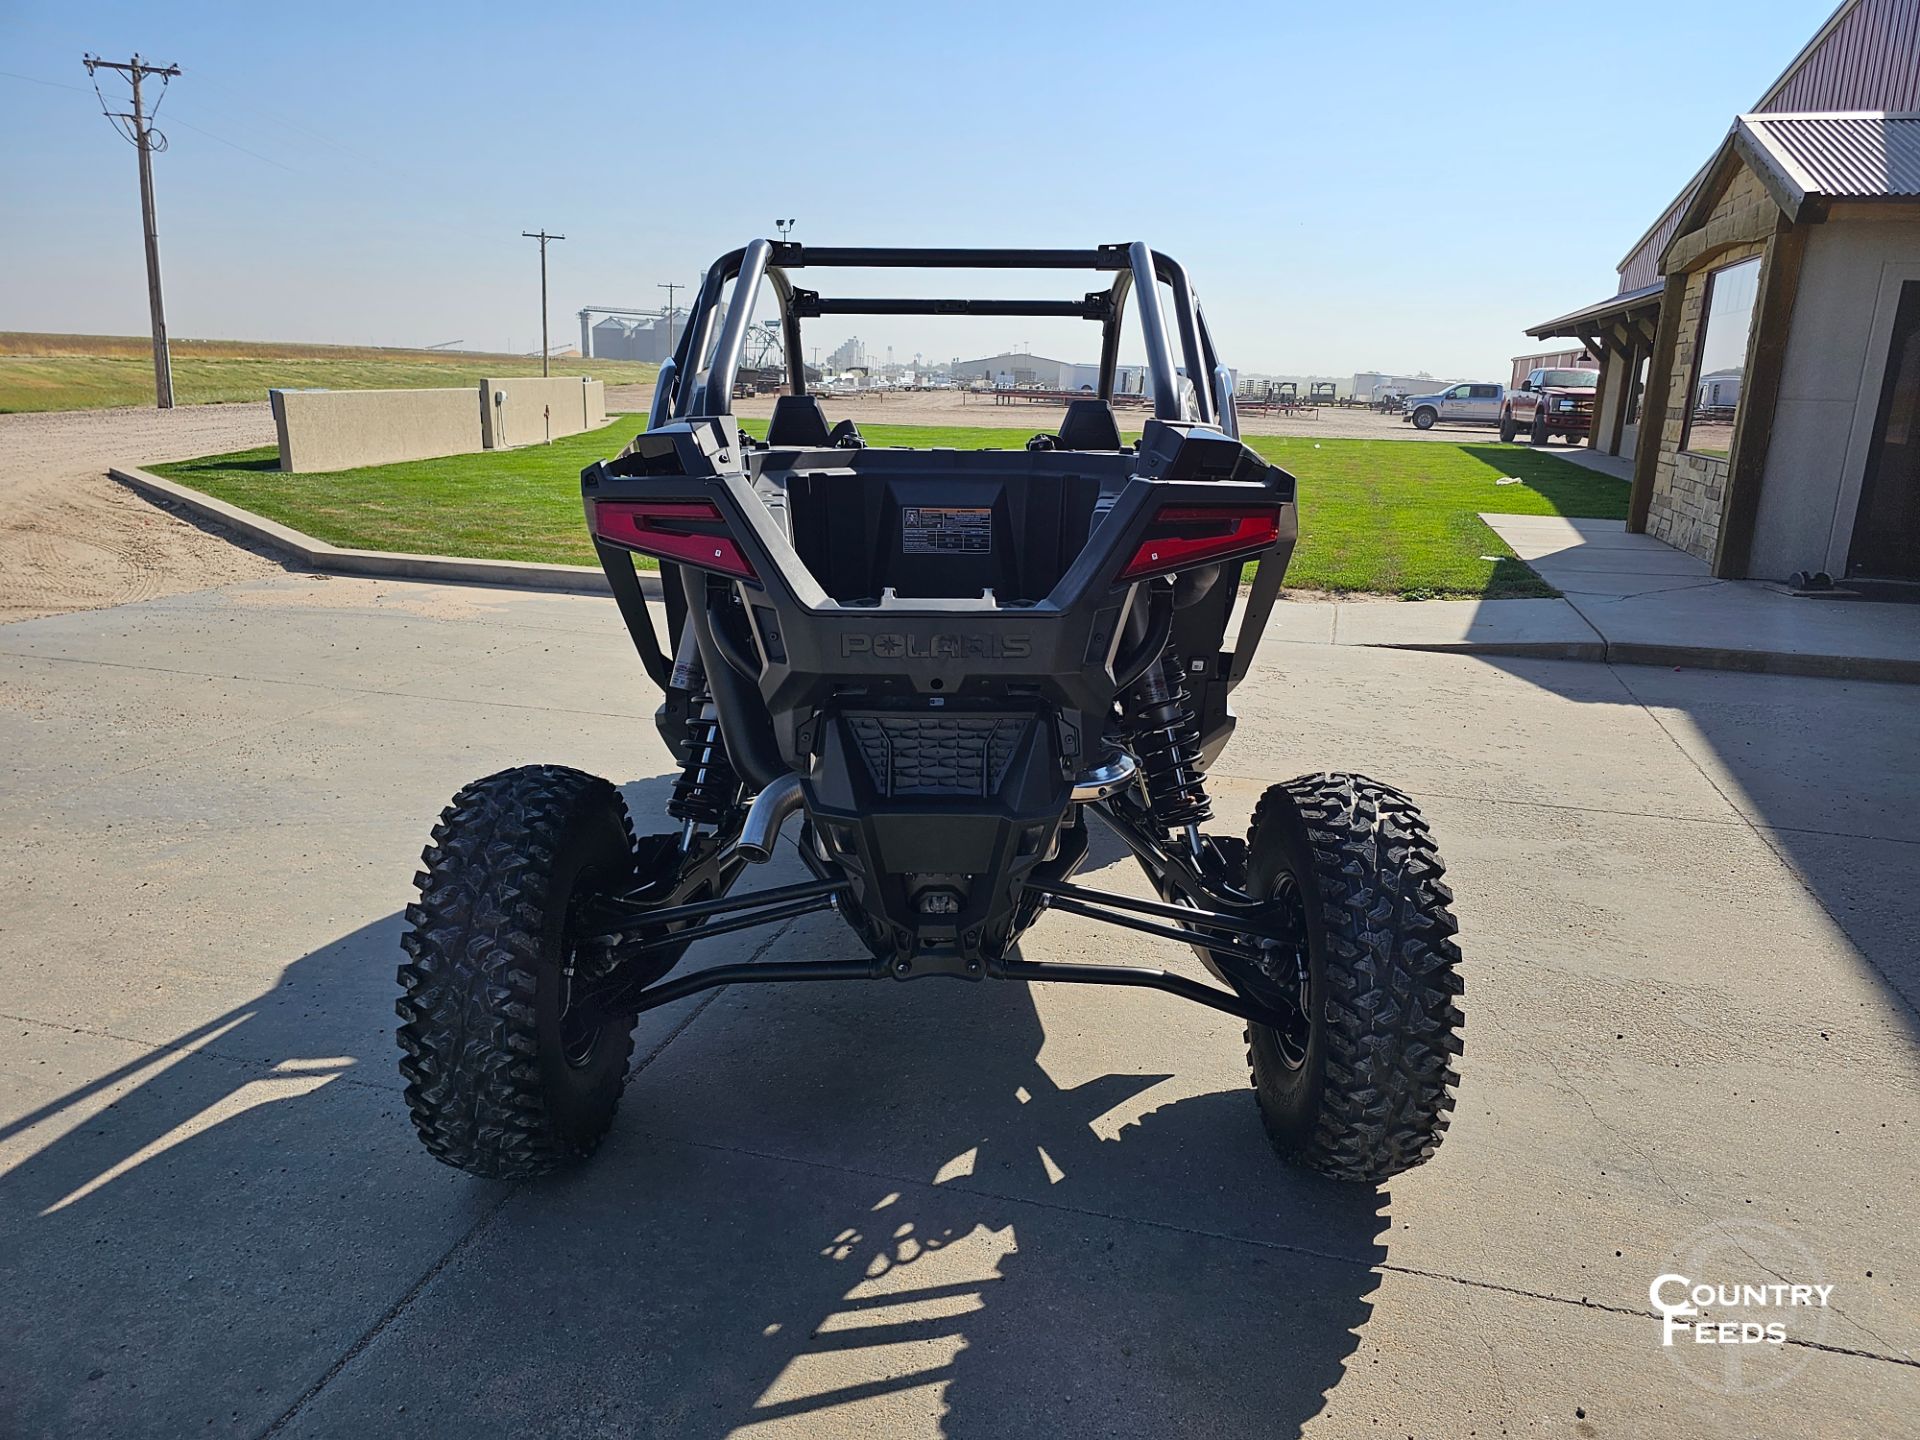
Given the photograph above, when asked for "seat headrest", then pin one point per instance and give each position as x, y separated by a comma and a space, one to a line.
1089, 425
798, 420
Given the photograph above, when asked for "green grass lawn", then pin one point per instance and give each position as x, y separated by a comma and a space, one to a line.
499, 504
81, 372
1384, 516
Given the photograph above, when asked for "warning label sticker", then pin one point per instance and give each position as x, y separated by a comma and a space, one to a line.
946, 529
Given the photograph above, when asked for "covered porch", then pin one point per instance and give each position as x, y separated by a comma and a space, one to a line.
1620, 333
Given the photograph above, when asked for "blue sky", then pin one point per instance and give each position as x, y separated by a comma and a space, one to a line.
1360, 186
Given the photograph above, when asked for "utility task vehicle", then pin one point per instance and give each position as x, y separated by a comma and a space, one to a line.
935, 668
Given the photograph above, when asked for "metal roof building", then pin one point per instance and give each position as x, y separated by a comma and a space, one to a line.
1787, 271
1812, 159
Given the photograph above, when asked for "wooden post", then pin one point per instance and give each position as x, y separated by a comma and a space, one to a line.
139, 130
1626, 337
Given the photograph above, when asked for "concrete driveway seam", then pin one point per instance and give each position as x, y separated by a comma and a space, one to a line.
1520, 1292
331, 689
182, 753
183, 1048
392, 1313
485, 1222
338, 696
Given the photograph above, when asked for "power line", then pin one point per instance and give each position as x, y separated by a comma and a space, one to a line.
543, 237
197, 129
233, 145
50, 84
137, 127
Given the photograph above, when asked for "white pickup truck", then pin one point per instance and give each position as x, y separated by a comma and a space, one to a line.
1468, 404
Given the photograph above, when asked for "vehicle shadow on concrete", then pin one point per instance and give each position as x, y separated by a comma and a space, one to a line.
968, 1241
816, 1197
194, 1229
1827, 773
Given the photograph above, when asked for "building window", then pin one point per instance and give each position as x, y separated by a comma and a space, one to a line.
1720, 359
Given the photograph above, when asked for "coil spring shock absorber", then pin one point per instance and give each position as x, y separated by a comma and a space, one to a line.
1166, 742
706, 790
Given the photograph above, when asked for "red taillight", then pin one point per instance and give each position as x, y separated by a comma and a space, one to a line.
1182, 536
691, 532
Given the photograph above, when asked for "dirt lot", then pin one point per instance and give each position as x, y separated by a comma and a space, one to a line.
71, 539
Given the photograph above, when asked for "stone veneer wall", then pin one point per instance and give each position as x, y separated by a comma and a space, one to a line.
1689, 491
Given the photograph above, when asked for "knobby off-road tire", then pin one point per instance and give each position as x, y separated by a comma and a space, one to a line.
1371, 1095
1541, 435
502, 1081
1509, 428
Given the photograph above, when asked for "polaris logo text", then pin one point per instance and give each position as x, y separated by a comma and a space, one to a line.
892, 645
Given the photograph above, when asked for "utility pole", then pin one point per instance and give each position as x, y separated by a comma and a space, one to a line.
138, 128
785, 228
669, 286
543, 237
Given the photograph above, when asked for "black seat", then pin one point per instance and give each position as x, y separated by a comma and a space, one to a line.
798, 420
1089, 425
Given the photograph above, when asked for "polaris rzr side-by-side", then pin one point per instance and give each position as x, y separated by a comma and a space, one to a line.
940, 667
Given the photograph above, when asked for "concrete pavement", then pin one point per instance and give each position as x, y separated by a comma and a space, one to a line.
1687, 905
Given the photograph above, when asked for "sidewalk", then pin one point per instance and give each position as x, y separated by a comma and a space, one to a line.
1629, 599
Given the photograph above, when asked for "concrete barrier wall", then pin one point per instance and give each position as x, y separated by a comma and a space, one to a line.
342, 429
531, 409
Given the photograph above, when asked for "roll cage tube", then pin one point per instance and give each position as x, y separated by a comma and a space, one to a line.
1198, 372
686, 388
670, 388
714, 387
1110, 333
1168, 402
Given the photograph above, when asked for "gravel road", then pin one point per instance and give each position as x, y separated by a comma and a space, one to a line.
72, 539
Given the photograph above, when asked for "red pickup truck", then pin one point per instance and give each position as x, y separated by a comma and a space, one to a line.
1549, 403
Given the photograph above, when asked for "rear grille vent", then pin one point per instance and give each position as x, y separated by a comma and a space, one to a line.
943, 755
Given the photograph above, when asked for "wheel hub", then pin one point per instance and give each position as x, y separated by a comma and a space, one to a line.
1283, 964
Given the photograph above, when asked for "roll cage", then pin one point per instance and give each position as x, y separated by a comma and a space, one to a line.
697, 382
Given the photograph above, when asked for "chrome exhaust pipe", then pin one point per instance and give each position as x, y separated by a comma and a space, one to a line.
1110, 777
760, 832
